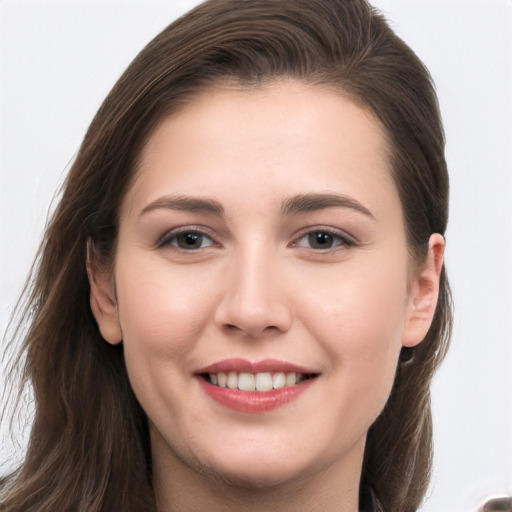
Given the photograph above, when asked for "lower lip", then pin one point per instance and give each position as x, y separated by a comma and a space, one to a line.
254, 401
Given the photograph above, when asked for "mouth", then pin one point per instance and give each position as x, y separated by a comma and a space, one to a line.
255, 387
256, 382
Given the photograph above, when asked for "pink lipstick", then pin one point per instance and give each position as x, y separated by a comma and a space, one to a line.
252, 387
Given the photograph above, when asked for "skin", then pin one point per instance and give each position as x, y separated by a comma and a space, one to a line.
255, 288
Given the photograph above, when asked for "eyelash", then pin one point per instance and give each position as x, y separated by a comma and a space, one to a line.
336, 238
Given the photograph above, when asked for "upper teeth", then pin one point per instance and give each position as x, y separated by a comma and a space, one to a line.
255, 381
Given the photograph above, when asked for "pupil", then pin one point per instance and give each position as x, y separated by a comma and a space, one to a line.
320, 240
189, 240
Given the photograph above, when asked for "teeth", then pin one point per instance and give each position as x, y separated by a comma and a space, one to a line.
232, 380
265, 381
222, 380
246, 382
279, 380
291, 379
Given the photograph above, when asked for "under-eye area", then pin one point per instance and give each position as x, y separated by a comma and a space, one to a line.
264, 381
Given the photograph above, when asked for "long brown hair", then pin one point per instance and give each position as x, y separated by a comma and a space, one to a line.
89, 445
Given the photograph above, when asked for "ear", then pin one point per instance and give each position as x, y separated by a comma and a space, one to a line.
103, 299
423, 293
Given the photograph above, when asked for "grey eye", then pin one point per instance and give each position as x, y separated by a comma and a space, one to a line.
323, 240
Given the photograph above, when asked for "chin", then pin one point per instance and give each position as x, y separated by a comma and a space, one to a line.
266, 477
266, 471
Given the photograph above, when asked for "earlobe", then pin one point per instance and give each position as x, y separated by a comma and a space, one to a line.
103, 300
423, 294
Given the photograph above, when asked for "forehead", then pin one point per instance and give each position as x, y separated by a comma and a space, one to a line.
286, 137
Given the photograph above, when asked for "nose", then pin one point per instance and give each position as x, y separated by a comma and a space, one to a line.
254, 301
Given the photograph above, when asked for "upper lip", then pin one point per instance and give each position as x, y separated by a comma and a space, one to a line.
240, 365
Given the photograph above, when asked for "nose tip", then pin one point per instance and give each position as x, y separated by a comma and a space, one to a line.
255, 322
254, 305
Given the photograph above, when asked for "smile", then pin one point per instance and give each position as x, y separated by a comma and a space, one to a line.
262, 382
254, 387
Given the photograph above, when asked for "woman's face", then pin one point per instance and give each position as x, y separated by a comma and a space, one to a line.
262, 247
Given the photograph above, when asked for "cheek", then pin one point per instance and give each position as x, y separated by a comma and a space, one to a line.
358, 316
162, 315
158, 304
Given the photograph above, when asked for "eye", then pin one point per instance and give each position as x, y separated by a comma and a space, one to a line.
322, 239
189, 240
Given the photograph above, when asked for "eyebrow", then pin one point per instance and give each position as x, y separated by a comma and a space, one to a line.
311, 202
297, 204
186, 203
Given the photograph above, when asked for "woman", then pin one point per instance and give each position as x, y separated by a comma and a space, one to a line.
241, 297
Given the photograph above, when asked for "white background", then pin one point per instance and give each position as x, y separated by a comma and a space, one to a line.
58, 59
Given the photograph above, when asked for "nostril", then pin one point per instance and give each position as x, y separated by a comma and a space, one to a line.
236, 313
251, 330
